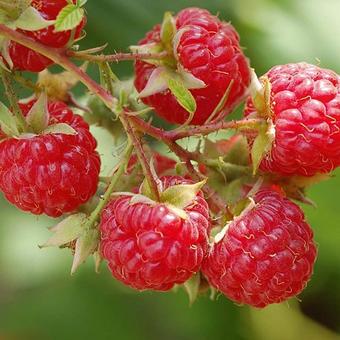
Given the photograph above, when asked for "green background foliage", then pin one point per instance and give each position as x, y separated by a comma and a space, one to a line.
39, 299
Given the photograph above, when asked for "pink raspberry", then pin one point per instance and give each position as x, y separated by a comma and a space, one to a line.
305, 101
209, 49
150, 246
267, 254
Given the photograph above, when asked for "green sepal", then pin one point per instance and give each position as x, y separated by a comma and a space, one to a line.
38, 116
192, 287
32, 20
66, 231
178, 82
86, 245
260, 91
183, 97
181, 195
62, 128
262, 145
168, 30
8, 121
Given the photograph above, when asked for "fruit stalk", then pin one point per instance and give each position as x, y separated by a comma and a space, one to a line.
140, 154
114, 180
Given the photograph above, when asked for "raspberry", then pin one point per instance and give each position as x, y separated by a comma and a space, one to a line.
151, 247
209, 49
52, 173
305, 101
25, 59
266, 255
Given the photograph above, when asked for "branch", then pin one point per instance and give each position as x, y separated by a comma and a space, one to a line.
114, 180
59, 57
245, 124
141, 155
115, 57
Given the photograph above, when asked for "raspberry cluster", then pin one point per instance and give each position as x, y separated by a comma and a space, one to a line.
221, 214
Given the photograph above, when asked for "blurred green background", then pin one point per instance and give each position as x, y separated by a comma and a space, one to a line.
39, 299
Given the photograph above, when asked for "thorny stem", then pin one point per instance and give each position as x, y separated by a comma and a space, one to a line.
140, 154
13, 100
245, 124
115, 57
59, 57
114, 180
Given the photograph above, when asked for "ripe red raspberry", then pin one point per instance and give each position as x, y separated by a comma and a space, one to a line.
305, 101
209, 49
266, 255
151, 247
52, 173
25, 59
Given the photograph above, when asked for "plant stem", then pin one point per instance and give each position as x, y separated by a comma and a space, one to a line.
114, 180
13, 100
245, 124
141, 155
115, 57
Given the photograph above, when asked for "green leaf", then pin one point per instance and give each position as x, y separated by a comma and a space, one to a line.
38, 117
192, 287
66, 231
86, 245
262, 145
60, 128
8, 122
181, 195
68, 18
183, 95
31, 20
